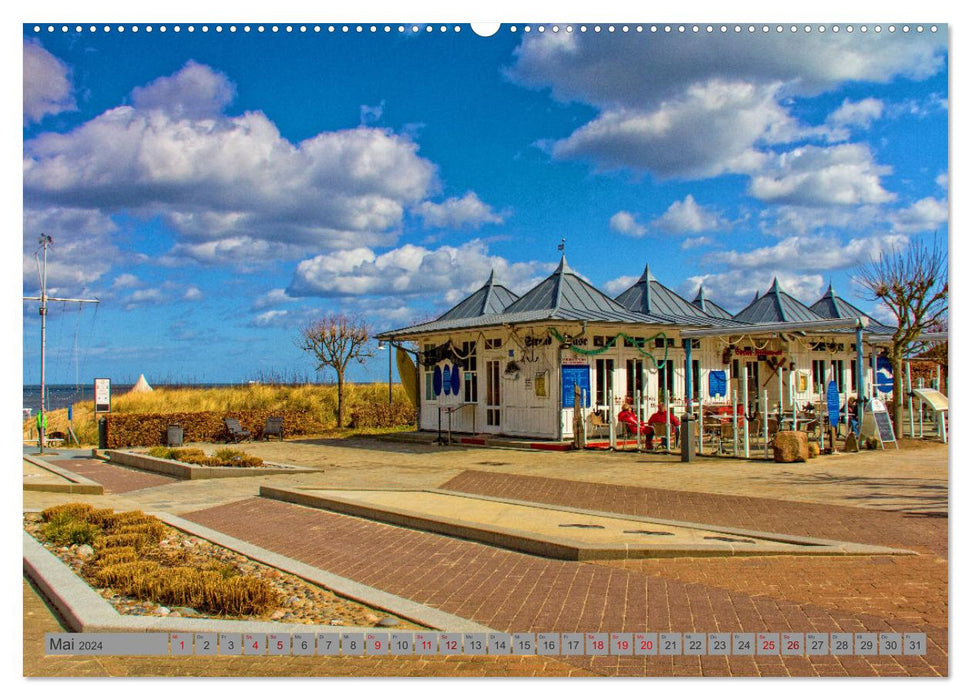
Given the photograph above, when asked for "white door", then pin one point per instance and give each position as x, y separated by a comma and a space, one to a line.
493, 423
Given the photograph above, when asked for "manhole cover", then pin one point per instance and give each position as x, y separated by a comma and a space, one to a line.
647, 532
585, 526
728, 539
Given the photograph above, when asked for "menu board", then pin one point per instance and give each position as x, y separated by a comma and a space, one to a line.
102, 396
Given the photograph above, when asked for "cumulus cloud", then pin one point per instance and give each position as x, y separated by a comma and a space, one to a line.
927, 214
812, 175
680, 106
47, 83
618, 285
83, 249
710, 129
733, 290
271, 299
409, 270
633, 70
230, 186
456, 212
192, 293
625, 223
687, 216
697, 242
860, 114
371, 114
195, 92
804, 253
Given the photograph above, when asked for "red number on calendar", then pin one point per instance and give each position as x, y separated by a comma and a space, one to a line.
622, 644
768, 645
451, 645
647, 645
792, 645
598, 644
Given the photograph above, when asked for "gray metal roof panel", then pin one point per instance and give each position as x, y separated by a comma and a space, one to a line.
775, 306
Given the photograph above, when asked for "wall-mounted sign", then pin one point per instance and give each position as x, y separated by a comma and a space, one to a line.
102, 396
535, 340
575, 376
742, 352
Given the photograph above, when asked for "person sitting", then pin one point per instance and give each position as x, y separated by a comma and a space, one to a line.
854, 419
658, 420
628, 418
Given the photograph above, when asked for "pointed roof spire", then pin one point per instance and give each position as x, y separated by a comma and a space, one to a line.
700, 296
775, 288
757, 295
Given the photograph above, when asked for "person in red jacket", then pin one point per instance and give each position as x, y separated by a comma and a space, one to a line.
629, 418
658, 417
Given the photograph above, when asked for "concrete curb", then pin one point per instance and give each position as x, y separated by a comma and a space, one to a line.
84, 610
78, 483
180, 470
565, 548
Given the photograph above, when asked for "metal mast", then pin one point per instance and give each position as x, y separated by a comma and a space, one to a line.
45, 242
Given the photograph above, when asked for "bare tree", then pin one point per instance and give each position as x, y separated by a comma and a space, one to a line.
335, 341
912, 284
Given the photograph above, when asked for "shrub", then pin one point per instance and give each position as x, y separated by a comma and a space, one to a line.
236, 458
66, 531
152, 530
77, 511
128, 539
117, 555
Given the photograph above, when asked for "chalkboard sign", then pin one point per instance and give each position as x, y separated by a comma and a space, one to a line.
575, 375
876, 423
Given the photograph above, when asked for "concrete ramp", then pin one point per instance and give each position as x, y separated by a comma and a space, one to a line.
558, 532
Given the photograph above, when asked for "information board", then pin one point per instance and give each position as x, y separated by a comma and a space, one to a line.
579, 376
102, 395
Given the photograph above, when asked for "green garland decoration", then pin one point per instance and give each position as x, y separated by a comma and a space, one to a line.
637, 344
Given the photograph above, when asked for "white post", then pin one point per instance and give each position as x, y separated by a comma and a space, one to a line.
667, 420
819, 418
846, 402
765, 421
610, 418
910, 400
782, 406
920, 385
637, 412
701, 421
583, 414
734, 423
745, 410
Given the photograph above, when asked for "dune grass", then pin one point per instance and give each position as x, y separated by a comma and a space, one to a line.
317, 400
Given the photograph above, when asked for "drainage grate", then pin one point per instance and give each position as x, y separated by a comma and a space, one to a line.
584, 526
729, 539
647, 532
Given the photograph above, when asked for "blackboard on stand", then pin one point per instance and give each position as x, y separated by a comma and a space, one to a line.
876, 423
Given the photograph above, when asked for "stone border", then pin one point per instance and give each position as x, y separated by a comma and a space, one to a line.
562, 547
181, 470
85, 610
77, 483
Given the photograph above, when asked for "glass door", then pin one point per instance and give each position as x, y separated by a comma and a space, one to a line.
493, 397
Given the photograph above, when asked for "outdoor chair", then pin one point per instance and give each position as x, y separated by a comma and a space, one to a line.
234, 431
274, 426
596, 425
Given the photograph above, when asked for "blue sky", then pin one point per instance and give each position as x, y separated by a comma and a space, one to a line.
218, 190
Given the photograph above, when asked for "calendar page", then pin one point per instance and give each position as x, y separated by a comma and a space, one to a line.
518, 349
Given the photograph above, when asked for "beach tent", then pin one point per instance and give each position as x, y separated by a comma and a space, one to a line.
141, 385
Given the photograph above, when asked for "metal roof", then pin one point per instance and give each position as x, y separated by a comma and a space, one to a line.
833, 306
648, 296
775, 306
490, 298
561, 296
702, 301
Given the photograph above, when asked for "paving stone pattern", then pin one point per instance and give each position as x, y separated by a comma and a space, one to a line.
115, 479
511, 591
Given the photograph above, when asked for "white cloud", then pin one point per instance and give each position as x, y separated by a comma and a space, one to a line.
126, 280
634, 70
274, 297
806, 253
625, 223
734, 290
927, 214
813, 175
456, 212
47, 83
941, 181
231, 186
708, 130
195, 92
698, 242
272, 318
687, 216
860, 114
192, 293
371, 114
83, 250
409, 270
618, 285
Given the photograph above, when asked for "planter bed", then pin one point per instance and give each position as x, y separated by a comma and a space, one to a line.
297, 602
184, 470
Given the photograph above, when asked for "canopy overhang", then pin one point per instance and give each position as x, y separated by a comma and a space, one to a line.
762, 329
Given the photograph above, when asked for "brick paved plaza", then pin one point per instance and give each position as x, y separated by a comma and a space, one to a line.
896, 499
